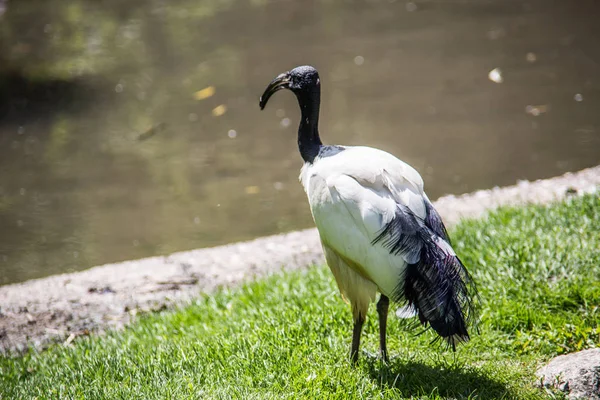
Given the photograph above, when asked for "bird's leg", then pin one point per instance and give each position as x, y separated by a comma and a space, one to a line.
382, 310
358, 324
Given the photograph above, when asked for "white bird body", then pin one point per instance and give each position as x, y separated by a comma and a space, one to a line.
353, 194
378, 230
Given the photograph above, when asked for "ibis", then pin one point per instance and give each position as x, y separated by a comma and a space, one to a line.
379, 231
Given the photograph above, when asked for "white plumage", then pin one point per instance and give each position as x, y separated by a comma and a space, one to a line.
378, 229
353, 196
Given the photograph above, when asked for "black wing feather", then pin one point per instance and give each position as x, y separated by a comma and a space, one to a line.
434, 222
437, 285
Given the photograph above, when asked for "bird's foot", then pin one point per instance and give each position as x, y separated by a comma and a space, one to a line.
384, 357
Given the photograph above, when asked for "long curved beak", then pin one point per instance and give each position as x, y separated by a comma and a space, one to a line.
281, 82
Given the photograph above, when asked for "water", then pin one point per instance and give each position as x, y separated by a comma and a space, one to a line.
132, 129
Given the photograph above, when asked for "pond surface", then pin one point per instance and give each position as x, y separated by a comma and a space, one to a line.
132, 128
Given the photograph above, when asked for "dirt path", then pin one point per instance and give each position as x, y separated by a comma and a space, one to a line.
62, 307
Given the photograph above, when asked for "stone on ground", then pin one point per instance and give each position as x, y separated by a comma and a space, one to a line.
576, 374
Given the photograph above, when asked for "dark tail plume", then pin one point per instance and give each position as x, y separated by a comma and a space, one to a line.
439, 287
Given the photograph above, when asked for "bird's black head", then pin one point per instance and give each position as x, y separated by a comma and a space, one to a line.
300, 80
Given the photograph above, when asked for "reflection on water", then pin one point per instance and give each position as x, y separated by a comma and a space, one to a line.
130, 129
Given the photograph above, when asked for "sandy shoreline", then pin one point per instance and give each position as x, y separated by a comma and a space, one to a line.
62, 307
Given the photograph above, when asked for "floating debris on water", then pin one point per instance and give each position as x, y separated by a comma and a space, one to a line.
578, 97
359, 60
252, 189
495, 75
531, 57
537, 110
204, 93
219, 110
152, 131
232, 134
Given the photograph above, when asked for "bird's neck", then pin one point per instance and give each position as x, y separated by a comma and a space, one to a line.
309, 142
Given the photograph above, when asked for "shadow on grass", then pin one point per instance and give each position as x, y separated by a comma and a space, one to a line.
416, 379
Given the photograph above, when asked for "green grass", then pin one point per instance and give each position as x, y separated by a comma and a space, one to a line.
288, 336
